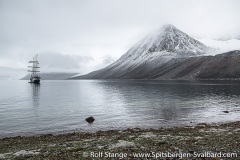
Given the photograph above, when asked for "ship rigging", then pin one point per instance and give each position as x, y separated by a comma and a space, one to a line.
34, 78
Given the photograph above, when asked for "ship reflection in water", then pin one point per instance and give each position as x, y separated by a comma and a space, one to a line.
35, 94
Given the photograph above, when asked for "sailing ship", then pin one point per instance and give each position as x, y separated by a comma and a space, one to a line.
34, 78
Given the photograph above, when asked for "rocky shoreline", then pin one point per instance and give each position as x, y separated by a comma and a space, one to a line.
203, 141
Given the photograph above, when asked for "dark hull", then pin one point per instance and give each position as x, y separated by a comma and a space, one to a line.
35, 81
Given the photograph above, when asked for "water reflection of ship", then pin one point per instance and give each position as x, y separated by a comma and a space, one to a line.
35, 94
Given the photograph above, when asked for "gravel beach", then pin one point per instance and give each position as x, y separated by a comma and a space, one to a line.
204, 141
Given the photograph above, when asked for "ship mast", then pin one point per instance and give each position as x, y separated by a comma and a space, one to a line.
34, 66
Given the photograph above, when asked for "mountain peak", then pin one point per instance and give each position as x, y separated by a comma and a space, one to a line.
166, 27
170, 39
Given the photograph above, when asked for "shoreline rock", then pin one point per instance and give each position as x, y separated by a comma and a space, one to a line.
90, 119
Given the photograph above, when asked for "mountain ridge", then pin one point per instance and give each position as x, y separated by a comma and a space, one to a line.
157, 55
221, 66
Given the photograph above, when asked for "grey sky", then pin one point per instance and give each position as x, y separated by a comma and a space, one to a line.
81, 33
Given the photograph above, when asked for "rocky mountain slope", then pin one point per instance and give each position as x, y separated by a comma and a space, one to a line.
222, 66
169, 54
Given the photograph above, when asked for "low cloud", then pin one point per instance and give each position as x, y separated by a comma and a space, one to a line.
54, 62
58, 62
75, 35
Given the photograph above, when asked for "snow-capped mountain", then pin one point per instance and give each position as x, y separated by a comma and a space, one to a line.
160, 54
166, 43
168, 39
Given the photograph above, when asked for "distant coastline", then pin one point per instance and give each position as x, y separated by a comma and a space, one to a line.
53, 76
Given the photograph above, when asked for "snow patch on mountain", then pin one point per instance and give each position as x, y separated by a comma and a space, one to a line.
221, 46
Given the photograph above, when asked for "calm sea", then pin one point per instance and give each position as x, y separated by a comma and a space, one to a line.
62, 106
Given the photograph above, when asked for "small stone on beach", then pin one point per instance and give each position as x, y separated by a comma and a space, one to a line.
90, 119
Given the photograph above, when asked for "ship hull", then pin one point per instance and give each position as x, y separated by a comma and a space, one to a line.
35, 81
